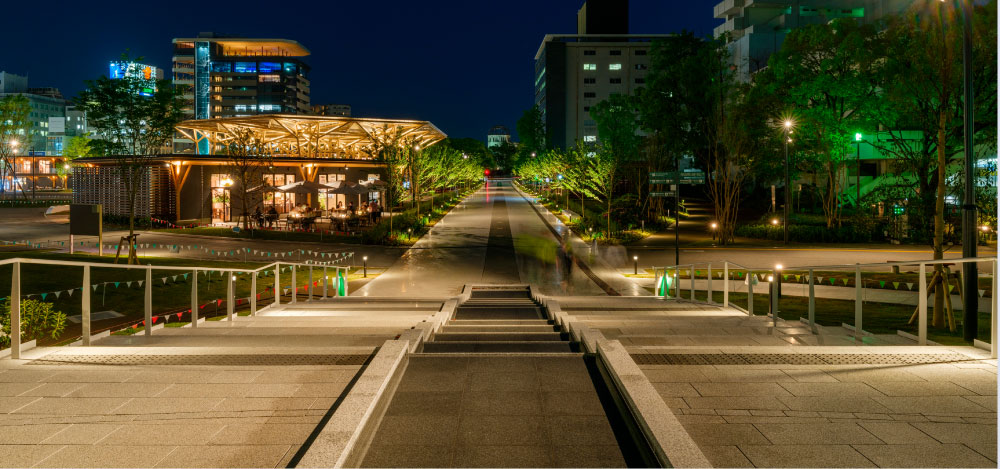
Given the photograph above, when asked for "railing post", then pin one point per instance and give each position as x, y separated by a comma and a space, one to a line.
751, 278
277, 283
993, 314
194, 298
326, 280
773, 284
857, 302
812, 302
922, 306
15, 312
295, 286
310, 288
230, 302
709, 275
148, 330
253, 293
85, 307
691, 271
725, 284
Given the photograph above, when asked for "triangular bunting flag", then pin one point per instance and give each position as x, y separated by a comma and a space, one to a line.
845, 281
982, 293
117, 283
44, 295
70, 292
895, 285
909, 286
881, 284
140, 282
128, 284
57, 294
95, 287
950, 288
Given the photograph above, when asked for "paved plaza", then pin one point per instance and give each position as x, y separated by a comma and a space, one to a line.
489, 344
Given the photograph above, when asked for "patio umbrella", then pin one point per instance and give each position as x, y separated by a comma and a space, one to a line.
265, 187
376, 183
347, 188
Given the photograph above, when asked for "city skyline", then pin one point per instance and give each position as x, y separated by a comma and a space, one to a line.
454, 79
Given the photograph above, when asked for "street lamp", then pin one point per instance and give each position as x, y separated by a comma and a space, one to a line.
857, 140
788, 193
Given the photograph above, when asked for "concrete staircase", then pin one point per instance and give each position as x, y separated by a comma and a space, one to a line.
500, 320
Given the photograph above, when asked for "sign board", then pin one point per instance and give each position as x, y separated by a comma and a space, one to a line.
688, 176
665, 174
663, 194
662, 180
85, 219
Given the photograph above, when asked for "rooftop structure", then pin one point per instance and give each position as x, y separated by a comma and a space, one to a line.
311, 136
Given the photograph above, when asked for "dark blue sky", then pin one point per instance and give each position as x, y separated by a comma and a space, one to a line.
465, 65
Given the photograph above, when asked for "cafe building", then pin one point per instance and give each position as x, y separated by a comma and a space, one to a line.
203, 188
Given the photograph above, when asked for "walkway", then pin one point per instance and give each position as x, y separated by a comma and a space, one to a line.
494, 236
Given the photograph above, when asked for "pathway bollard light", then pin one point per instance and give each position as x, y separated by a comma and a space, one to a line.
714, 226
365, 258
635, 260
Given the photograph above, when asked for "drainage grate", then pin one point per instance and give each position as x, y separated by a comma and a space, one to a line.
795, 358
219, 360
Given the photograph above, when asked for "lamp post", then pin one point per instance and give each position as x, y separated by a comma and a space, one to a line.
857, 202
788, 193
970, 323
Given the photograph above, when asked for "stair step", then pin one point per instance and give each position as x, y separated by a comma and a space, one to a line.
498, 347
497, 336
499, 328
498, 322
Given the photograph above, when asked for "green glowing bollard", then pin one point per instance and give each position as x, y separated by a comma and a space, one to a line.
341, 284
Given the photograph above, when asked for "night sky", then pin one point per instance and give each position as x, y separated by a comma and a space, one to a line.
465, 65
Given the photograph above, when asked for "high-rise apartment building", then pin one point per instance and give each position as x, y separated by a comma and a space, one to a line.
758, 29
231, 77
576, 71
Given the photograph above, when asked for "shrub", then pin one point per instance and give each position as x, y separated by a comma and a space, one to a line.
38, 320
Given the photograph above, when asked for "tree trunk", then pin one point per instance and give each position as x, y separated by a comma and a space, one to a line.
941, 290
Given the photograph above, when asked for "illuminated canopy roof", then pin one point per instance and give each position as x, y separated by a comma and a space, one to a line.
248, 47
314, 136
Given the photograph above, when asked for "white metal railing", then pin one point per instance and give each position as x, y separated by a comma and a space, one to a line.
340, 286
662, 286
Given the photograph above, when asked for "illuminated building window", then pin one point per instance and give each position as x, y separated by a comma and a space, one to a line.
590, 66
245, 67
222, 67
269, 78
590, 138
614, 66
269, 67
290, 67
270, 107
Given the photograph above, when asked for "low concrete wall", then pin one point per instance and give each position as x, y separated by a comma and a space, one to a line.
665, 434
345, 438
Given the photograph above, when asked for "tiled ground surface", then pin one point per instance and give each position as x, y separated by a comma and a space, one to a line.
495, 412
167, 416
256, 410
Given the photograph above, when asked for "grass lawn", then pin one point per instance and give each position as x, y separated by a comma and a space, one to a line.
877, 318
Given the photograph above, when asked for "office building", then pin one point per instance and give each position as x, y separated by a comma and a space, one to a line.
221, 77
497, 136
758, 29
150, 73
576, 71
332, 110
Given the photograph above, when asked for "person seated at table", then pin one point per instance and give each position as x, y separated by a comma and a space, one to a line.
272, 216
258, 217
340, 205
350, 208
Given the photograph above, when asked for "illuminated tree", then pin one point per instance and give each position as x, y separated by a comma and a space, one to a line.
132, 127
248, 154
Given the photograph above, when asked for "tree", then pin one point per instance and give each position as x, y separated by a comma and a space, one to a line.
77, 147
921, 108
599, 169
15, 133
248, 153
391, 147
826, 75
132, 127
503, 156
531, 131
38, 320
